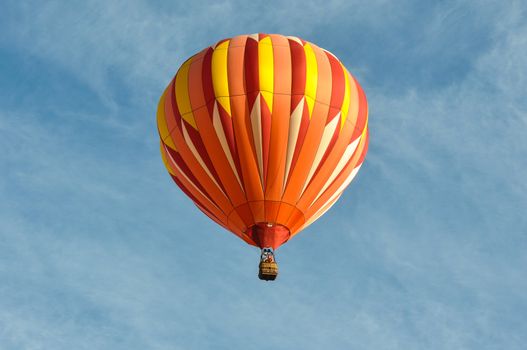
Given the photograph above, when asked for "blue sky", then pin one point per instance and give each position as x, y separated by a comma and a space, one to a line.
427, 249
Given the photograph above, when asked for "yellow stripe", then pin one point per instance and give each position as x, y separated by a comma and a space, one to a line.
346, 102
164, 133
182, 94
266, 70
220, 78
165, 160
311, 77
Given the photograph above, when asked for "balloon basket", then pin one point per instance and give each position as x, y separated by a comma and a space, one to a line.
268, 271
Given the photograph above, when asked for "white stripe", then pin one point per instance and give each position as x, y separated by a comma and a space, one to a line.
331, 53
321, 212
345, 183
294, 38
294, 127
341, 164
218, 127
213, 217
334, 198
196, 154
188, 179
253, 36
329, 131
256, 123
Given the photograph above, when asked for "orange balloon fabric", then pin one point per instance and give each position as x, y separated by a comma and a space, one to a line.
263, 133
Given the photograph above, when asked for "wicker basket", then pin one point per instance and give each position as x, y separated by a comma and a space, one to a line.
268, 271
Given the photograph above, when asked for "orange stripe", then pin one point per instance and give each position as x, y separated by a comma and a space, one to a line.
236, 222
172, 116
307, 154
235, 64
248, 163
327, 168
218, 157
258, 210
195, 81
271, 210
354, 101
162, 127
296, 219
245, 213
205, 201
353, 163
284, 213
189, 159
206, 77
279, 118
325, 77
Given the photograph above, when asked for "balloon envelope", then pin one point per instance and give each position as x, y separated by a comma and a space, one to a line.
263, 133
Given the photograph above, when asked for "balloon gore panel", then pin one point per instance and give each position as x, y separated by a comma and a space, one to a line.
263, 133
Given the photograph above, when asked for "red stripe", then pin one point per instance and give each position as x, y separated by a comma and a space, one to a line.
295, 100
192, 197
206, 79
186, 170
228, 129
173, 117
252, 81
365, 149
252, 85
298, 72
195, 137
338, 86
302, 132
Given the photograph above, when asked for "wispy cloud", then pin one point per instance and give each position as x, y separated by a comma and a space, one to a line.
425, 250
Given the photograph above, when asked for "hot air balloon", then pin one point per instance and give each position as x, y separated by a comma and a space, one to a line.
263, 133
